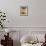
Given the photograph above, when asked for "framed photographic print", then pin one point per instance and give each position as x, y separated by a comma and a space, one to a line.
23, 11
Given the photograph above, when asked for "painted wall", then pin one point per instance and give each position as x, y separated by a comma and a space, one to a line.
12, 7
34, 22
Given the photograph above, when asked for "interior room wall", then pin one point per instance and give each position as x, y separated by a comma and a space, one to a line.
35, 21
36, 15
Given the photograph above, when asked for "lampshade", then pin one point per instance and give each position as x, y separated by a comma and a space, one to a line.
7, 30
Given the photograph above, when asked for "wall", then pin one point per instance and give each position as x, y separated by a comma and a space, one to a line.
34, 22
12, 7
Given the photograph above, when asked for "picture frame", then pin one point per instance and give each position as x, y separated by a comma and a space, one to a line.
23, 11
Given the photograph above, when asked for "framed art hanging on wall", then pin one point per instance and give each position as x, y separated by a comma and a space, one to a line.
23, 11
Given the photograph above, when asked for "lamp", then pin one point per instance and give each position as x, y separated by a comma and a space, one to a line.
7, 31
